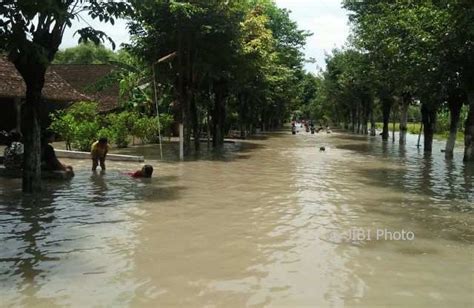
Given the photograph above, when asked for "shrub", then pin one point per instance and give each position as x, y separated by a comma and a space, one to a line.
140, 128
85, 133
63, 124
81, 125
78, 125
166, 121
120, 127
147, 129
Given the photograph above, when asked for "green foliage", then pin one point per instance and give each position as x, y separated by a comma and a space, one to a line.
35, 28
62, 123
85, 125
85, 133
443, 121
147, 128
81, 125
119, 126
30, 34
166, 122
78, 125
87, 53
239, 63
403, 55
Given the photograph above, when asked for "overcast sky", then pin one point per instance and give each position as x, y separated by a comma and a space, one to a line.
325, 18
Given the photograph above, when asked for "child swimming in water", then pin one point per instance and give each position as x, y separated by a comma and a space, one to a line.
146, 172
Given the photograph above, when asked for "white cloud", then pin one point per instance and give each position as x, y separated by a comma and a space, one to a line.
328, 22
118, 32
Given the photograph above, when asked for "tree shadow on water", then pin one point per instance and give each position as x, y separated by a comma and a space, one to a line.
352, 137
37, 230
115, 188
227, 153
24, 224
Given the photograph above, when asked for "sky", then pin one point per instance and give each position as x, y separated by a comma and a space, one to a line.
324, 18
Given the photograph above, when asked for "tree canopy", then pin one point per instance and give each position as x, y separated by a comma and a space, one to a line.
403, 53
237, 64
31, 33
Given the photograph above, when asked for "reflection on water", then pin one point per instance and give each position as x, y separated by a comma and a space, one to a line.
263, 222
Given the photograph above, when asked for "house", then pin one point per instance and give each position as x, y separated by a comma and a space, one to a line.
57, 94
95, 80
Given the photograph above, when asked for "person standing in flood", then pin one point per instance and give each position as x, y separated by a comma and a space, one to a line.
99, 150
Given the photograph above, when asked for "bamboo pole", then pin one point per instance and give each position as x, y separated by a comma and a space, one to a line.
157, 111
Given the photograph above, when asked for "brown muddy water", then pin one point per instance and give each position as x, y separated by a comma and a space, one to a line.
270, 222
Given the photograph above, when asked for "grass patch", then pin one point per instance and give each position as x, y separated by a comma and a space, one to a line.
414, 128
444, 136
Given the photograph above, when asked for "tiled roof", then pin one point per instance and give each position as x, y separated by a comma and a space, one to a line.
85, 77
55, 88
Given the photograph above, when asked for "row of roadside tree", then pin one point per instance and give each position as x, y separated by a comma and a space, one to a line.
403, 55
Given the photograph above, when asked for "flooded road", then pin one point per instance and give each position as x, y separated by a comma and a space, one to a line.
271, 222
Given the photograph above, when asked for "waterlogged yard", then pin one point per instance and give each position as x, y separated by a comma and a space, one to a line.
267, 222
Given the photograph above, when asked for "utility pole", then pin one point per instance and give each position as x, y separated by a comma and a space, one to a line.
167, 58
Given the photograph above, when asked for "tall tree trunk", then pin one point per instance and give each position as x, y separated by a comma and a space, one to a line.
428, 114
219, 114
189, 95
358, 118
372, 123
196, 125
242, 118
183, 110
208, 127
455, 102
186, 120
31, 130
393, 129
366, 119
469, 133
33, 75
386, 108
354, 120
405, 104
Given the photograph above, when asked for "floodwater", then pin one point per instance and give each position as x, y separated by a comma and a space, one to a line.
269, 222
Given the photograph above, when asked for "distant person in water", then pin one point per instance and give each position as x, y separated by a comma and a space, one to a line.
49, 161
293, 129
99, 150
13, 154
146, 172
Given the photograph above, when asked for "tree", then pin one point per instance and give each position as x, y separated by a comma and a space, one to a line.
238, 58
86, 53
31, 33
425, 51
201, 34
458, 56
